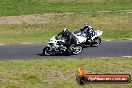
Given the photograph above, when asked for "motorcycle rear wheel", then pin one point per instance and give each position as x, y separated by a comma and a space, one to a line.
97, 42
75, 49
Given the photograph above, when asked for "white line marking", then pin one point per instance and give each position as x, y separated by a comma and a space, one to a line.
2, 44
127, 56
108, 40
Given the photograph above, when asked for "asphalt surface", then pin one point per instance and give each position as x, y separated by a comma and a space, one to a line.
33, 51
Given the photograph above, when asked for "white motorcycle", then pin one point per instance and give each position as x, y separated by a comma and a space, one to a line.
96, 40
56, 46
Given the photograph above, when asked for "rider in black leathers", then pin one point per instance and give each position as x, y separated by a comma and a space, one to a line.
70, 38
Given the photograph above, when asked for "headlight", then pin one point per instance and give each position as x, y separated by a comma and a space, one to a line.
50, 40
51, 43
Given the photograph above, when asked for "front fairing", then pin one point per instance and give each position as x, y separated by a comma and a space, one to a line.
52, 40
98, 33
55, 39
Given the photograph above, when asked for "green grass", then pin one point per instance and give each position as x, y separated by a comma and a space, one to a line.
61, 73
58, 14
58, 73
25, 33
22, 7
115, 26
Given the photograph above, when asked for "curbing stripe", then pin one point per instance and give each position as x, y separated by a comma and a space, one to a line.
127, 56
2, 44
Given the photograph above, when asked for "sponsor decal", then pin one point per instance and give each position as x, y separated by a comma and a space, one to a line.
83, 78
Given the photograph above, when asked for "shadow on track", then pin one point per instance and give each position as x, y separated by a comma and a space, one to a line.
54, 55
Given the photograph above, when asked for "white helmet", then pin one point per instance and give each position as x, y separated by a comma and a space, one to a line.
66, 30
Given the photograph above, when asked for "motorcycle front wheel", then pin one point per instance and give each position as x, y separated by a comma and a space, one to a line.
46, 51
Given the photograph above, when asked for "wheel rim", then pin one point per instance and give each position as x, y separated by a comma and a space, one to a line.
77, 50
47, 52
97, 42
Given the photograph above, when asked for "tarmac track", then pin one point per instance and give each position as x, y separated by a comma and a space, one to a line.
33, 51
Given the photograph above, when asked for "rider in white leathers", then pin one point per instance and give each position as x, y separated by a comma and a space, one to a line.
88, 30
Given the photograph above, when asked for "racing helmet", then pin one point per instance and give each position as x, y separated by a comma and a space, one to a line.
85, 24
66, 30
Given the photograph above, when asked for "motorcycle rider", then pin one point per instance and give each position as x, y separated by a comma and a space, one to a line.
70, 38
88, 30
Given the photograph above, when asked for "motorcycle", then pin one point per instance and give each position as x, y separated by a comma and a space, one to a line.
56, 46
95, 40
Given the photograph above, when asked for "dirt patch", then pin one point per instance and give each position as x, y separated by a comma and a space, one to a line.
33, 19
43, 18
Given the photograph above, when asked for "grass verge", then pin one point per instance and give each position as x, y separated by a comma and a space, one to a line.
58, 73
115, 26
22, 7
111, 16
